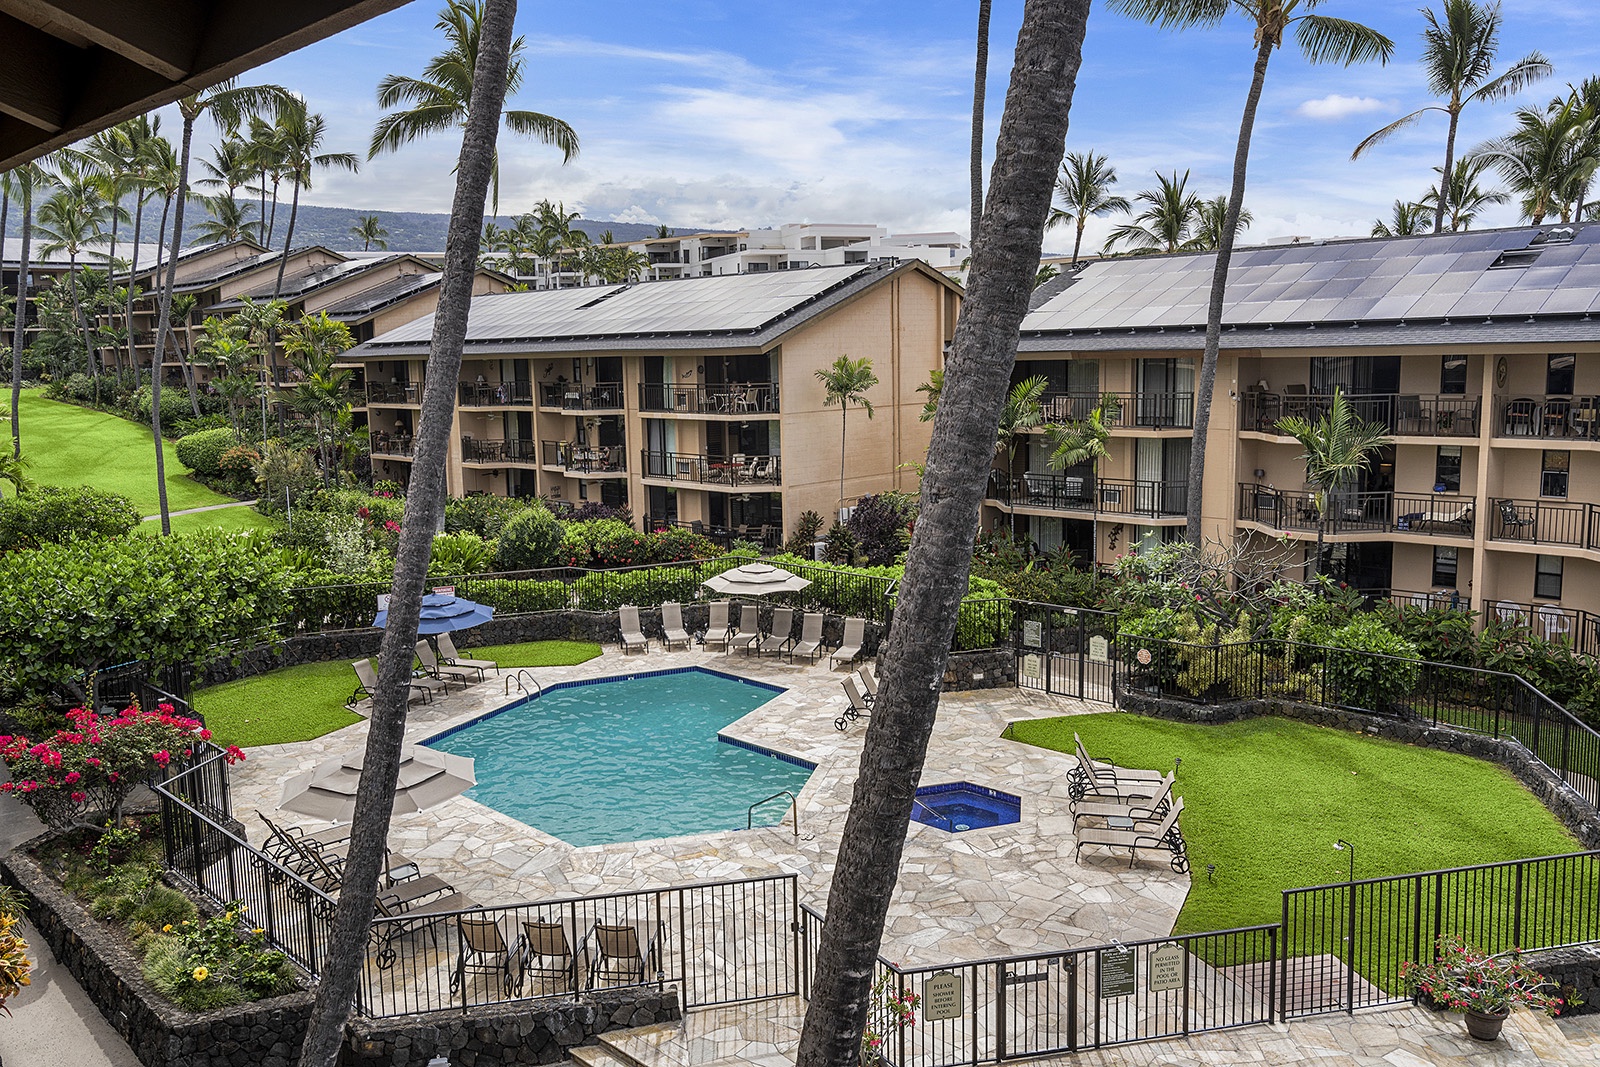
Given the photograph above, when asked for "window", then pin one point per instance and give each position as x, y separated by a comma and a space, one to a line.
1453, 375
1444, 568
1553, 475
1447, 469
1547, 577
1558, 380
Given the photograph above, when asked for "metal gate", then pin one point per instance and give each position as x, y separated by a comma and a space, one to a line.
1066, 651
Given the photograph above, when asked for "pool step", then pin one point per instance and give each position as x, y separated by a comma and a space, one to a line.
595, 1056
740, 1035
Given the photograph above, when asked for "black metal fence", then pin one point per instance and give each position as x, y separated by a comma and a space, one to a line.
138, 682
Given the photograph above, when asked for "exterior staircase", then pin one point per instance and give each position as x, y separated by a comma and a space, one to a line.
762, 1034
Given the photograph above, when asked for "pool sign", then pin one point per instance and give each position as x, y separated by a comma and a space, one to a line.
1099, 649
1118, 972
1032, 633
941, 997
1032, 667
1165, 969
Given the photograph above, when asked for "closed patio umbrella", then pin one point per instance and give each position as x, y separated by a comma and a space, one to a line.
444, 613
756, 580
427, 777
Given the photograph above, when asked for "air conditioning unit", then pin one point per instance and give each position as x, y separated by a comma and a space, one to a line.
845, 513
819, 549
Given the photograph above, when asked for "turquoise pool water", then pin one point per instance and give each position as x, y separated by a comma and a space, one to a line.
625, 759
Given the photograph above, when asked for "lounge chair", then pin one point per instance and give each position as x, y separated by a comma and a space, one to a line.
1136, 808
547, 956
855, 632
748, 632
282, 840
857, 704
1108, 781
810, 643
672, 625
781, 637
619, 958
407, 917
869, 681
717, 629
483, 950
1142, 834
441, 671
632, 633
447, 649
422, 689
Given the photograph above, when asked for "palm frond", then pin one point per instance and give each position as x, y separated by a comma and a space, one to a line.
398, 89
550, 131
1527, 70
1393, 128
1325, 39
1173, 14
400, 128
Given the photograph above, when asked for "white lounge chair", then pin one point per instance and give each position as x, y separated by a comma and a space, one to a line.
857, 706
781, 636
632, 633
1135, 808
810, 643
1108, 781
748, 632
421, 688
855, 632
1145, 834
672, 625
444, 672
717, 629
447, 649
870, 681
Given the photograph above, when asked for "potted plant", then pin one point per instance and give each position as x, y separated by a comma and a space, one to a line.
1481, 986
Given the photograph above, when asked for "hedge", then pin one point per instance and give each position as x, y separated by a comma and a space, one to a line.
202, 452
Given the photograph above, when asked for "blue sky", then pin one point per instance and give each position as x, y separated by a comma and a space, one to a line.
718, 114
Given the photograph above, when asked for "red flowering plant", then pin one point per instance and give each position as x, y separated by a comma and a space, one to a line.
82, 775
890, 1012
1463, 978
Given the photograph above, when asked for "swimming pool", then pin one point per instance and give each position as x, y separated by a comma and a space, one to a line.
625, 759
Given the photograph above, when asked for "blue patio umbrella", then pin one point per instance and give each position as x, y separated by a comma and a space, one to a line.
444, 613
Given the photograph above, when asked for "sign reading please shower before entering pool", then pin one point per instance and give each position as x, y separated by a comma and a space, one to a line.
941, 997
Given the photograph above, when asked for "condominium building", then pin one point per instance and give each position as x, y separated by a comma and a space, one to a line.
796, 246
1479, 353
692, 401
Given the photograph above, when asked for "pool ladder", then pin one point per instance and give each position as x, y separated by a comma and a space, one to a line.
944, 819
794, 806
537, 690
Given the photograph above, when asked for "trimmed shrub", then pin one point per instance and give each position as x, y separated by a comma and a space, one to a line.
462, 553
202, 452
54, 514
529, 541
807, 531
483, 514
239, 461
1377, 668
607, 591
516, 596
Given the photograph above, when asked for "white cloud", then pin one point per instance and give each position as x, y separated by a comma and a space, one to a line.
1336, 106
635, 213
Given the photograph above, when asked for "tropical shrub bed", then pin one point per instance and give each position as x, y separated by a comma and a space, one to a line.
54, 514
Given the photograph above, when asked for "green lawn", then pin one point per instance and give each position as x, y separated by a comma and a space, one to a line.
1265, 799
69, 445
299, 703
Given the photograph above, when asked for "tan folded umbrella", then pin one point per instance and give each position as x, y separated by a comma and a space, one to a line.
427, 777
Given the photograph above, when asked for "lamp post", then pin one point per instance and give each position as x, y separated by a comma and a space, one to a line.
1345, 846
1350, 926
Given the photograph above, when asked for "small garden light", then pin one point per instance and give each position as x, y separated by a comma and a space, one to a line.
1211, 872
1344, 846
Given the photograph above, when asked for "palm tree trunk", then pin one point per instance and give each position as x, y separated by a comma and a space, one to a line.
133, 271
111, 268
980, 88
288, 238
18, 327
272, 224
83, 322
1078, 241
164, 324
844, 447
1005, 258
1449, 162
336, 992
1207, 382
1322, 536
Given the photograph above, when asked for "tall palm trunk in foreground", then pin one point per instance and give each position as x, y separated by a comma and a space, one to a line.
27, 177
1005, 257
424, 510
980, 89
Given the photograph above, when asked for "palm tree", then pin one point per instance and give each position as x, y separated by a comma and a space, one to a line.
1213, 216
147, 150
1322, 39
663, 230
1085, 440
300, 135
72, 217
227, 219
1023, 411
225, 347
370, 231
1587, 95
1084, 189
261, 323
1169, 221
1028, 152
21, 182
1407, 220
14, 469
1457, 60
980, 87
1541, 160
265, 156
844, 383
438, 100
230, 167
424, 513
322, 391
1465, 196
1338, 447
932, 389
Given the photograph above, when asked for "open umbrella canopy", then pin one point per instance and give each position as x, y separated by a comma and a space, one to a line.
444, 613
427, 777
756, 580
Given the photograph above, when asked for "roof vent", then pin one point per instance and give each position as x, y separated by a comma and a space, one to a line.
1555, 235
1515, 257
603, 297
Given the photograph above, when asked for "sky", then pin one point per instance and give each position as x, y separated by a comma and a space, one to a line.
732, 114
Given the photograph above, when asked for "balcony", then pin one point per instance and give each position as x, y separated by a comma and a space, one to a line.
728, 472
753, 398
569, 396
392, 445
495, 394
1543, 522
1574, 627
405, 393
1444, 514
475, 451
1145, 411
1547, 417
769, 535
574, 458
1401, 414
1107, 496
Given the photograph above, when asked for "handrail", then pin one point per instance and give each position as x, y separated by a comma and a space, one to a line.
538, 690
794, 806
937, 814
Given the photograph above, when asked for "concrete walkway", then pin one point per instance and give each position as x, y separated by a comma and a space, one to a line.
208, 507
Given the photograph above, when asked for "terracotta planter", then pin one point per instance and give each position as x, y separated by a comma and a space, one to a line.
1484, 1027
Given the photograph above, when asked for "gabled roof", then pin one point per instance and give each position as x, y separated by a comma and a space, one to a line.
382, 295
307, 280
235, 268
1471, 286
733, 310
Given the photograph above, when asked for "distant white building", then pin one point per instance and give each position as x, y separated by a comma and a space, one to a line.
795, 246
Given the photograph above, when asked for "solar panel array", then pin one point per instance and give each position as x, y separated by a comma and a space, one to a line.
740, 302
1422, 278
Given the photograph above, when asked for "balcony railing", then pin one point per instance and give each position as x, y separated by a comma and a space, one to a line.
1429, 513
1545, 522
1574, 627
392, 444
1156, 411
584, 459
1559, 417
768, 535
1402, 414
571, 396
734, 470
394, 393
492, 394
476, 451
753, 398
1107, 496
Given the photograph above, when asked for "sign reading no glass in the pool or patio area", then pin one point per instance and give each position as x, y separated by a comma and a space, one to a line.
1166, 969
941, 997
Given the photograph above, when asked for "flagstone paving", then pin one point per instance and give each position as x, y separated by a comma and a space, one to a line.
1006, 889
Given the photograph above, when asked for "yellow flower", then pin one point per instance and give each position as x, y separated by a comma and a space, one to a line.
258, 930
228, 915
201, 974
167, 929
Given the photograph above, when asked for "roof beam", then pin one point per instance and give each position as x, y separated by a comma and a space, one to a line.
159, 37
33, 78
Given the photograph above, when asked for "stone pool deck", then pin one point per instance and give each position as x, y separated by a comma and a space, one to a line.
1008, 889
